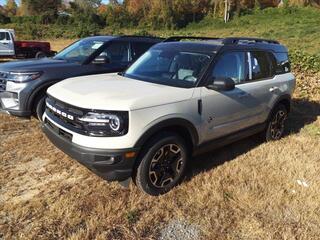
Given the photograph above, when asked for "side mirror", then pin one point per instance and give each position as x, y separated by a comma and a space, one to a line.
101, 60
222, 84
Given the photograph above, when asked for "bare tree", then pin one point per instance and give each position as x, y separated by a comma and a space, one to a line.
227, 6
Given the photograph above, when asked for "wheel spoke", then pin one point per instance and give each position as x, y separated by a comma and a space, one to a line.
165, 179
166, 165
277, 125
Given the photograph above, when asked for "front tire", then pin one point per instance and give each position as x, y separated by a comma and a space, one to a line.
39, 107
276, 124
163, 163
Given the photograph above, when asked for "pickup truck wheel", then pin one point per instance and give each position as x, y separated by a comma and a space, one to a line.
40, 54
163, 164
276, 124
39, 107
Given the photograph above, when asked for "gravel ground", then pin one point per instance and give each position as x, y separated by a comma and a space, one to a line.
180, 230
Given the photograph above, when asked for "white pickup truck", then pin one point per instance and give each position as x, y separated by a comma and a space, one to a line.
10, 48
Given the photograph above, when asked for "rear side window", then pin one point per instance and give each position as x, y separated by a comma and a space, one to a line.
231, 65
139, 48
283, 63
261, 65
117, 52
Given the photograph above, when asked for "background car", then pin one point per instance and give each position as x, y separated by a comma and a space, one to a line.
11, 48
23, 84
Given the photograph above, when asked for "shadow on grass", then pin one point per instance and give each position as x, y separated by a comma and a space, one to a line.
303, 112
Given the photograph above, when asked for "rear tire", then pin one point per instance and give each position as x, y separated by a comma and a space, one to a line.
276, 124
163, 164
40, 54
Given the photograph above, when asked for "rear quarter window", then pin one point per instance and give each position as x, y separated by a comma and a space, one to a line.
261, 65
283, 63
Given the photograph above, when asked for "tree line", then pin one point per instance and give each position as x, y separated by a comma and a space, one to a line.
85, 17
127, 13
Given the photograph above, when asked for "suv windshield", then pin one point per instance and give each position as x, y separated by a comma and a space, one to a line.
79, 51
169, 67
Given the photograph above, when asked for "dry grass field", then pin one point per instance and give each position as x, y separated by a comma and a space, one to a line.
60, 44
247, 190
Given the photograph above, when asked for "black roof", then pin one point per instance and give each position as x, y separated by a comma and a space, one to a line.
206, 44
126, 37
205, 47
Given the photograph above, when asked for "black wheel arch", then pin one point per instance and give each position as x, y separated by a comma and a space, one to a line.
42, 89
178, 125
285, 100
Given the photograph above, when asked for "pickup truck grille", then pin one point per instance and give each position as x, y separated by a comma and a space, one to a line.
3, 81
65, 114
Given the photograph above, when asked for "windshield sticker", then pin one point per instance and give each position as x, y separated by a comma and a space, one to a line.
97, 45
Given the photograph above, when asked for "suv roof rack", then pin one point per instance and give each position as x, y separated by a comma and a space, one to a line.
225, 41
138, 36
237, 40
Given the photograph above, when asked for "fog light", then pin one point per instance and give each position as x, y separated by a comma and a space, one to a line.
107, 160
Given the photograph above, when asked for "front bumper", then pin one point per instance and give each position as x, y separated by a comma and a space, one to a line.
11, 98
9, 106
111, 165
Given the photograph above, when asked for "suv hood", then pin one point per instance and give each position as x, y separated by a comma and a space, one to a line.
33, 65
115, 92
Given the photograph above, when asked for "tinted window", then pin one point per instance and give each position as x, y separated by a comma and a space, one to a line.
231, 65
4, 36
139, 48
283, 64
261, 65
79, 51
118, 52
169, 67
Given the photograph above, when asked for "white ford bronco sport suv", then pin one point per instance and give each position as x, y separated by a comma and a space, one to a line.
178, 99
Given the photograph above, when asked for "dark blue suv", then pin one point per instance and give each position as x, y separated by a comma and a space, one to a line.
23, 84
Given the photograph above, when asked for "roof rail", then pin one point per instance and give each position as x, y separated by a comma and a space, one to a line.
139, 36
225, 41
235, 40
179, 38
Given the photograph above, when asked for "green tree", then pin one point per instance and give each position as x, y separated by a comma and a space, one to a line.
40, 7
87, 5
11, 8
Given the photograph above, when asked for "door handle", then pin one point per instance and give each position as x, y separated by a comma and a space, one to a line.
273, 89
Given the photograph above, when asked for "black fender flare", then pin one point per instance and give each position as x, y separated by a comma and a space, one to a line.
37, 90
281, 98
170, 123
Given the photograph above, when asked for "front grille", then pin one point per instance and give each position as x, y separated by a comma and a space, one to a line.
65, 114
68, 116
3, 81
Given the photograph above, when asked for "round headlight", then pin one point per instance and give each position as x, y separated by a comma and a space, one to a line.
115, 123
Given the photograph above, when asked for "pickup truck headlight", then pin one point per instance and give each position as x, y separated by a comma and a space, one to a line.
105, 124
22, 77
